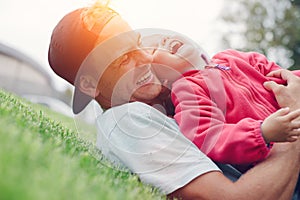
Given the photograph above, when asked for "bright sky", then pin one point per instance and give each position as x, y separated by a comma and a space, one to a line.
27, 25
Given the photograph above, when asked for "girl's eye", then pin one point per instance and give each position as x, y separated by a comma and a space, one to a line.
164, 41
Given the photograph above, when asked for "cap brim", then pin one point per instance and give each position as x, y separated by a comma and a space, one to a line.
80, 101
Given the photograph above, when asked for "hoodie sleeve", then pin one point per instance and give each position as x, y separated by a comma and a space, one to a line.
203, 121
257, 60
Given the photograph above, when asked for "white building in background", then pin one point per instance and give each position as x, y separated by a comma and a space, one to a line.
21, 75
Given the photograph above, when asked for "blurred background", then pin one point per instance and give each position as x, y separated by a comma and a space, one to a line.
271, 27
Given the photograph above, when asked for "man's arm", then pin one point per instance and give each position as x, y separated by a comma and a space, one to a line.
274, 178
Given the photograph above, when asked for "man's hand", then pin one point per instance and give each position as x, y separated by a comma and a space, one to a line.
286, 96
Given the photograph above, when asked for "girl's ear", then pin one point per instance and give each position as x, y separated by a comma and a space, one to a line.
88, 85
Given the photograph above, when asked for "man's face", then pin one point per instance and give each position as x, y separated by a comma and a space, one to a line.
121, 67
130, 78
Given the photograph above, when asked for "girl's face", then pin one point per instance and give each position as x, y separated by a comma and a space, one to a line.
174, 55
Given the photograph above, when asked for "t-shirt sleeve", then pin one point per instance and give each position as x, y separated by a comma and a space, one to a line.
149, 143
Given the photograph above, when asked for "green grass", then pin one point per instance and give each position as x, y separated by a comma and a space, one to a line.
42, 156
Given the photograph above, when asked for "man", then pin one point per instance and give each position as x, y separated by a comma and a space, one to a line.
86, 47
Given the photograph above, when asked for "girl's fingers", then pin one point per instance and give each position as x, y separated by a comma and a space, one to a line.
295, 132
293, 115
293, 135
282, 112
295, 125
292, 139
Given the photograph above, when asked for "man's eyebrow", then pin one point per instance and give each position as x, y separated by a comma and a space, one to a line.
138, 39
119, 59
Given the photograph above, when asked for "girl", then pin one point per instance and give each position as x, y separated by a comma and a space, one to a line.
223, 107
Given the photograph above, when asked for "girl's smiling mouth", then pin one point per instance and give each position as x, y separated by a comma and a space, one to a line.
174, 46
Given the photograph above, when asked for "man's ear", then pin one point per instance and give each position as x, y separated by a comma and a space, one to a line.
88, 85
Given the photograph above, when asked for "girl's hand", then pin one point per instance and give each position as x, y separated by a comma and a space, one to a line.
282, 126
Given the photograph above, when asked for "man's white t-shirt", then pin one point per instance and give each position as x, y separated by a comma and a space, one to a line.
142, 139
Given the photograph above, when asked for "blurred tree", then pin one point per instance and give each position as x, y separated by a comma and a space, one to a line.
296, 2
271, 27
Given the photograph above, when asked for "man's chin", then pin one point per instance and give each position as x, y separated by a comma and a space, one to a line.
148, 96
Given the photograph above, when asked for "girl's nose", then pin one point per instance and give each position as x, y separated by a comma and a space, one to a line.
144, 57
